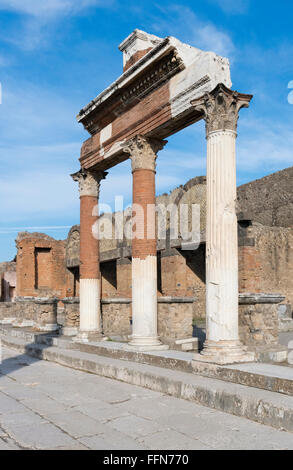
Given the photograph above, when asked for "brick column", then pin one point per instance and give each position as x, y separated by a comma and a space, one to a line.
220, 109
90, 277
143, 154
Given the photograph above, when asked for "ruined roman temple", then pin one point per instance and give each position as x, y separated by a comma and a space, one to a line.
224, 294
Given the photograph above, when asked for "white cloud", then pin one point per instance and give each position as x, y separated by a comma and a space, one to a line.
38, 18
182, 22
33, 193
49, 8
233, 6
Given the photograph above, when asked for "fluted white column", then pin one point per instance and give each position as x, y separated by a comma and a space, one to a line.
221, 238
222, 344
143, 154
90, 328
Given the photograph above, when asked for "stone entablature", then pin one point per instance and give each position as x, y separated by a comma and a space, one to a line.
151, 98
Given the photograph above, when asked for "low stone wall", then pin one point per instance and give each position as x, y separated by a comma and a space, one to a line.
71, 315
175, 318
46, 313
258, 319
37, 312
116, 317
7, 310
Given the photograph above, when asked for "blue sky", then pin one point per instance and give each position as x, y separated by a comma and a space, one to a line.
56, 55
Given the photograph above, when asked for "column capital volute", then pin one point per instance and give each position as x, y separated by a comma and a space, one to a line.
221, 107
143, 152
89, 181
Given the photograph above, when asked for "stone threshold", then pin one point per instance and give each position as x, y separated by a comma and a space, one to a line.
265, 407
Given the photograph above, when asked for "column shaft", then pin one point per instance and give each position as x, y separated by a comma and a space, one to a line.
90, 279
144, 263
143, 154
221, 239
220, 109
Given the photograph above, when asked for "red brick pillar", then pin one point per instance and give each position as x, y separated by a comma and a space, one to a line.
143, 154
90, 277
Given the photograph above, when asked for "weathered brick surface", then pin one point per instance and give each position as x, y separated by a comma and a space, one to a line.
89, 245
135, 57
143, 195
7, 281
109, 279
268, 267
249, 269
148, 114
50, 269
124, 277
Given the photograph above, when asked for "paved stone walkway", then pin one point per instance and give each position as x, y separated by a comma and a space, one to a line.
47, 406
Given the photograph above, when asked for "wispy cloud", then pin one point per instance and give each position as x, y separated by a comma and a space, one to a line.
50, 8
233, 6
38, 18
182, 22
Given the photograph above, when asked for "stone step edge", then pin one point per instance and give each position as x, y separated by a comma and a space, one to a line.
249, 379
264, 407
242, 377
183, 365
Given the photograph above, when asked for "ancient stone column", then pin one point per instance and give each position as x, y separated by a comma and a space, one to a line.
220, 108
143, 154
90, 277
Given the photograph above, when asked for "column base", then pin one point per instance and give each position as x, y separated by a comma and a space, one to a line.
88, 337
69, 331
224, 352
142, 344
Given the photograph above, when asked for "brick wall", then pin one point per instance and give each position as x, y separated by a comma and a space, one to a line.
275, 247
41, 267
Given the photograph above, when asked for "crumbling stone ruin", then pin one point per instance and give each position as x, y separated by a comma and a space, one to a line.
156, 291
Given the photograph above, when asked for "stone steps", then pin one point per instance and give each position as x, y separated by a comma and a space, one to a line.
263, 406
269, 377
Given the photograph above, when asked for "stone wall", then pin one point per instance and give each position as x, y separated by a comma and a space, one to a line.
258, 319
37, 312
269, 200
116, 317
275, 248
175, 318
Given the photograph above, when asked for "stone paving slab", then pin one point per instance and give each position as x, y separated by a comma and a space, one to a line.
168, 422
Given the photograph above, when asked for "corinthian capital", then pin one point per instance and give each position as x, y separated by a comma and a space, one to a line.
89, 181
143, 152
221, 108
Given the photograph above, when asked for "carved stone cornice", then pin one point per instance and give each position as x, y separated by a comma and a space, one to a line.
143, 152
89, 182
221, 108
